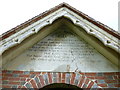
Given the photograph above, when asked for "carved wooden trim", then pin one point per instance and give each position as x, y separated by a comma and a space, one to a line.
89, 27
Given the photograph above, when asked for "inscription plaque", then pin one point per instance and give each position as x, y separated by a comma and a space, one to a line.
62, 51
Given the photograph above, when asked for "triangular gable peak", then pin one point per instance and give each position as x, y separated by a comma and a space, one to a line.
19, 34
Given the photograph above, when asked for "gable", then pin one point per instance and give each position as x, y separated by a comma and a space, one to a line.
95, 35
61, 51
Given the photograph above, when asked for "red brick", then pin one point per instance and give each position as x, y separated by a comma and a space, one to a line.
63, 81
117, 85
4, 78
111, 81
100, 77
23, 79
7, 75
117, 73
33, 83
43, 73
4, 71
6, 86
102, 85
14, 79
14, 83
90, 74
87, 81
63, 76
81, 81
18, 72
118, 77
41, 80
82, 73
36, 73
90, 84
72, 78
110, 73
24, 76
59, 77
90, 77
39, 85
50, 78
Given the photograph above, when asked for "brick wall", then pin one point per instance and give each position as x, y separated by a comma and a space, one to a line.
29, 79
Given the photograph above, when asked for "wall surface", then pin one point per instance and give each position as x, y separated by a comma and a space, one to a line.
61, 57
62, 51
30, 79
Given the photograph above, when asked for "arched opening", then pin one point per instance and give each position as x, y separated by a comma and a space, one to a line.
62, 86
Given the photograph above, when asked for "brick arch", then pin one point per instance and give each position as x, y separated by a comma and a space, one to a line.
44, 79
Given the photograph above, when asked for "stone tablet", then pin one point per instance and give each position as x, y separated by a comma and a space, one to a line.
62, 51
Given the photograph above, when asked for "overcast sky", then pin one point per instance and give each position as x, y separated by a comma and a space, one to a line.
15, 12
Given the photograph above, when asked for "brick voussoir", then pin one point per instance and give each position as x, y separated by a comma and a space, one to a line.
82, 80
33, 83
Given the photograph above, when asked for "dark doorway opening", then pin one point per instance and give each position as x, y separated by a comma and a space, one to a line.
61, 86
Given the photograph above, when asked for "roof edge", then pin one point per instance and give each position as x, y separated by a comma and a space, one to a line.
90, 19
38, 17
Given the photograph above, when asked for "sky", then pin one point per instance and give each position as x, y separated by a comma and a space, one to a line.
15, 12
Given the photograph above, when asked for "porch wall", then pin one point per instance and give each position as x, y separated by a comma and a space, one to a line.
31, 79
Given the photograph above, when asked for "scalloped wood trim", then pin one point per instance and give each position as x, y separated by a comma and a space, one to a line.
90, 28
